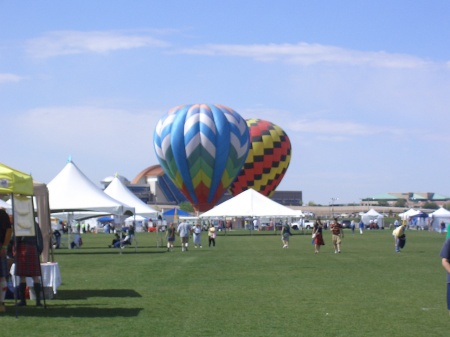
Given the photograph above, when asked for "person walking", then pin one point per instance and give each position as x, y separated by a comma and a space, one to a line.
337, 234
184, 229
285, 234
5, 237
212, 235
197, 236
445, 255
318, 237
170, 237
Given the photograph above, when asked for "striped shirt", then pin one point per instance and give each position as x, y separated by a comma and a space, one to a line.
336, 228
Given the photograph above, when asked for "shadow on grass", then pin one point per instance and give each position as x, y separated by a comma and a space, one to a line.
88, 293
70, 312
91, 251
259, 234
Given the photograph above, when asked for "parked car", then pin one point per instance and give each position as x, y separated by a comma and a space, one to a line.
303, 224
308, 224
346, 223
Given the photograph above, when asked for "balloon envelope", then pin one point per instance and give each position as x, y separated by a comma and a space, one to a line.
202, 148
268, 159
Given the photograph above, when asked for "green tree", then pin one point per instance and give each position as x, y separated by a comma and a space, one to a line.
400, 203
186, 206
430, 205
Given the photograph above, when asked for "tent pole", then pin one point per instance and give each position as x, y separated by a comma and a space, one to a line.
38, 260
14, 256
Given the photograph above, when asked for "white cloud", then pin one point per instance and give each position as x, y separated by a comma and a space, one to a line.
310, 54
101, 140
7, 78
319, 126
93, 128
77, 42
342, 128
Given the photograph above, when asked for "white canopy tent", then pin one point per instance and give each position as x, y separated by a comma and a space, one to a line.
438, 216
299, 213
79, 216
409, 213
117, 190
139, 222
372, 215
250, 203
72, 191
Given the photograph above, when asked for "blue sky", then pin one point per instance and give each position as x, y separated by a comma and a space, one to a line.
360, 87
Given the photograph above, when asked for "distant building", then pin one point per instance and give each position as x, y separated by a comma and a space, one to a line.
153, 186
413, 199
161, 189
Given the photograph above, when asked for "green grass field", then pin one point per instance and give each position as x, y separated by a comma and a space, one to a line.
246, 286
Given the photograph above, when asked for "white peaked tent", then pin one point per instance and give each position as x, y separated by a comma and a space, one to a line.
299, 213
117, 190
372, 215
438, 216
72, 191
250, 203
409, 213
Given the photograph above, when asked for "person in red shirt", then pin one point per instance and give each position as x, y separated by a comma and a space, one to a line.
5, 236
337, 234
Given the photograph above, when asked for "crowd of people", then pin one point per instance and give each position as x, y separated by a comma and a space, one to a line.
184, 230
26, 250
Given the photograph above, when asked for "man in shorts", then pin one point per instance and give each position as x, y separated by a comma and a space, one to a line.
337, 234
5, 237
184, 230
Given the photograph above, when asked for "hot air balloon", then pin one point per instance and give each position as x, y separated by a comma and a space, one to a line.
202, 148
267, 161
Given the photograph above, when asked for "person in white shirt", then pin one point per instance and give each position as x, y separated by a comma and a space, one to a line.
197, 236
184, 229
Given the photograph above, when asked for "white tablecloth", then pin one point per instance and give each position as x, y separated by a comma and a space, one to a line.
50, 276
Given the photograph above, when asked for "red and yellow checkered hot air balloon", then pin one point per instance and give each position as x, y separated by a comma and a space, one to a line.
267, 161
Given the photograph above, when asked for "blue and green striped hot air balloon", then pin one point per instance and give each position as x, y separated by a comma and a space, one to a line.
202, 148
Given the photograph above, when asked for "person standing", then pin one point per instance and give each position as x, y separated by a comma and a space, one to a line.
212, 235
361, 227
337, 234
184, 230
197, 236
28, 265
445, 255
255, 224
318, 237
285, 234
352, 226
442, 227
57, 233
170, 237
5, 237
